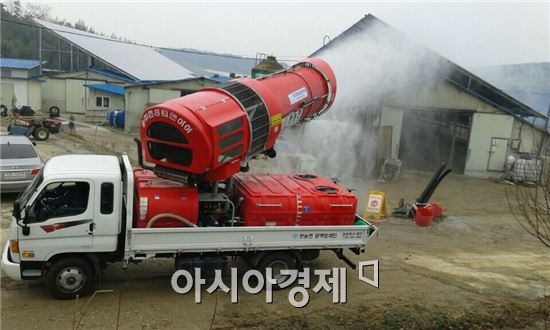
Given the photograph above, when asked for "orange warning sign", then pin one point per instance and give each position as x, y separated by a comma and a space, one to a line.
376, 205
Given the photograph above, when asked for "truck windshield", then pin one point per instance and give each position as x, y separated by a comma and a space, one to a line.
30, 189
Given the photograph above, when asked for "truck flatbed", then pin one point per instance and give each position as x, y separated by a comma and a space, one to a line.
143, 243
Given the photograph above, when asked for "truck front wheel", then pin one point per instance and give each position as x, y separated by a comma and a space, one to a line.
71, 277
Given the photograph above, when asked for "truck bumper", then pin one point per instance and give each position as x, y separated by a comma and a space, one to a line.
12, 269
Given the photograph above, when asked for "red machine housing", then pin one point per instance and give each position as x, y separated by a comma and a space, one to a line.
208, 133
292, 200
154, 196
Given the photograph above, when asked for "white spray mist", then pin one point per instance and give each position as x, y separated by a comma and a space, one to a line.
374, 65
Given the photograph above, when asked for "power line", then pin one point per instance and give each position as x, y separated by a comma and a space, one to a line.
282, 58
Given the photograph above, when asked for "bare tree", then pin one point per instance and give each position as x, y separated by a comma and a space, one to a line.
37, 10
530, 206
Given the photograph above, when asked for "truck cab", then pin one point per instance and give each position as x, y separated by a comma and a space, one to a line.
73, 206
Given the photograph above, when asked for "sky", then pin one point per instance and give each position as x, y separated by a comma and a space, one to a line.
468, 33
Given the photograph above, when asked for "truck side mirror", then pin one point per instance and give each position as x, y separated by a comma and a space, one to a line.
16, 210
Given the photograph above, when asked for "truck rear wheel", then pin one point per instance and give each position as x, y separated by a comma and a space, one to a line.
277, 261
71, 277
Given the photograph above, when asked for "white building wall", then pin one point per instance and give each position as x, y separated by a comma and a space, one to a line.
393, 117
35, 94
528, 138
19, 73
161, 95
20, 90
53, 94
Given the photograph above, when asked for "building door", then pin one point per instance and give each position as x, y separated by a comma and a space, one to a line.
497, 154
75, 96
485, 128
7, 94
429, 137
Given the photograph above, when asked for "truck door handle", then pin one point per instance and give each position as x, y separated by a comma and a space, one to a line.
91, 228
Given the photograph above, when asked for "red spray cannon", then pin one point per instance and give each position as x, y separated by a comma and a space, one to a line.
207, 135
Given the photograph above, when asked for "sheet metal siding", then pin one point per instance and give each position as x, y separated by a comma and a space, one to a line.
444, 95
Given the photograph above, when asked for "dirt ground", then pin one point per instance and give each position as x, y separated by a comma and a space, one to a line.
473, 268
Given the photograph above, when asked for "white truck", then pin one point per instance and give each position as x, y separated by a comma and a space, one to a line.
68, 246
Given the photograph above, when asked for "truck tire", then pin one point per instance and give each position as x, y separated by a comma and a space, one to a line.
277, 261
41, 133
54, 111
70, 277
26, 111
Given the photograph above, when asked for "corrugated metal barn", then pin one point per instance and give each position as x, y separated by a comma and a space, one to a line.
453, 116
91, 75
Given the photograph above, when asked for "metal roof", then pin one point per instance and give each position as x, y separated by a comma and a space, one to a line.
527, 82
209, 64
19, 63
156, 83
107, 88
138, 61
458, 76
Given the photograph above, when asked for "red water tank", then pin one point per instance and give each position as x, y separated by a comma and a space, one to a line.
163, 203
292, 200
208, 133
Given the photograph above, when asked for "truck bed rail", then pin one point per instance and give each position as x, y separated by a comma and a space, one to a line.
146, 242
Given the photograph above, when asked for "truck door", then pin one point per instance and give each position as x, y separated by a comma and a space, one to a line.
60, 219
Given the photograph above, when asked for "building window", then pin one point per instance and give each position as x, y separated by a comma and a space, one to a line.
102, 102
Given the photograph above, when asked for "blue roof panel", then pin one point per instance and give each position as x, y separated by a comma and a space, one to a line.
18, 63
107, 88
